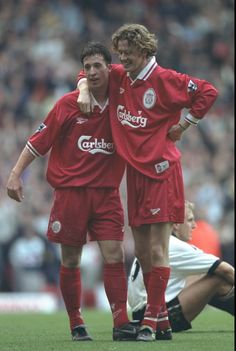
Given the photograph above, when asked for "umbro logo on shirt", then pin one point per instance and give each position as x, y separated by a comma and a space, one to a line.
154, 211
81, 120
122, 90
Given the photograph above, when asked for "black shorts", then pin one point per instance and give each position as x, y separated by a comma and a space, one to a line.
176, 317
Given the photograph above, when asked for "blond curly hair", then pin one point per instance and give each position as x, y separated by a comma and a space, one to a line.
138, 36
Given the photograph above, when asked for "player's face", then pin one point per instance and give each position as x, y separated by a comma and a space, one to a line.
131, 58
96, 71
185, 229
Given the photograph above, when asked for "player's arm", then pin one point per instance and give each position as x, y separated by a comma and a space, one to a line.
37, 145
198, 96
176, 131
84, 99
14, 183
187, 260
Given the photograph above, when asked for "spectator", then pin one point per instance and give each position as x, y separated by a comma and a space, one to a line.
27, 255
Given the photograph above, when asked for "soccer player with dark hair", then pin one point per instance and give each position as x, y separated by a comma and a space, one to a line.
85, 171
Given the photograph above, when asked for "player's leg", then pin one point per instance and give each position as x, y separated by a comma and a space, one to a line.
176, 317
225, 297
69, 215
163, 330
142, 236
71, 256
70, 282
225, 301
115, 284
196, 296
107, 228
157, 247
70, 285
157, 203
142, 248
190, 302
148, 211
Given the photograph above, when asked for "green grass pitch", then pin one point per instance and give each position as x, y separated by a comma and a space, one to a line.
212, 331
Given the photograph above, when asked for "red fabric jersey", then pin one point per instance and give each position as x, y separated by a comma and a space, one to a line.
82, 149
142, 112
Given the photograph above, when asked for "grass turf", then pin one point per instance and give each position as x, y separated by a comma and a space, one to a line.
212, 331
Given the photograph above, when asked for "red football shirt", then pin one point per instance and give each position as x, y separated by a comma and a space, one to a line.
142, 111
82, 149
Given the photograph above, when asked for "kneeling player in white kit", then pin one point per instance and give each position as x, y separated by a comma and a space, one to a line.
214, 284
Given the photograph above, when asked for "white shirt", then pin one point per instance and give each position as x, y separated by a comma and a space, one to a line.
185, 260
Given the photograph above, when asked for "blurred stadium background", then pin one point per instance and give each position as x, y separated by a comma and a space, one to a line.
40, 44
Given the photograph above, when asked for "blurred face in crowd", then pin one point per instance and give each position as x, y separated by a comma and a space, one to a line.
184, 231
131, 58
97, 72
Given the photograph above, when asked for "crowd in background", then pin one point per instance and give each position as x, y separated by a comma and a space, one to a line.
40, 45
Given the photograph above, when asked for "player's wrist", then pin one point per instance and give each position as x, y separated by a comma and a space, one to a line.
82, 85
15, 172
182, 126
191, 120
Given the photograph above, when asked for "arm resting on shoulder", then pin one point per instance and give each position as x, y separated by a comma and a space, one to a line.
84, 100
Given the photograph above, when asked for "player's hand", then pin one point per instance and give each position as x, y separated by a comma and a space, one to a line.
175, 132
15, 188
84, 101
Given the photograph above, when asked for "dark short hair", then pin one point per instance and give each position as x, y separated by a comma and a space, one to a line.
94, 48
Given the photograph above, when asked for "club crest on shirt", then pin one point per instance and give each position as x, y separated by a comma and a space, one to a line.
56, 227
149, 98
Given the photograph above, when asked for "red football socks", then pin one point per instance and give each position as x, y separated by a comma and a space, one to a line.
162, 318
156, 294
115, 283
70, 284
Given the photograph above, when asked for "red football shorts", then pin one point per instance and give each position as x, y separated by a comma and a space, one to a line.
77, 212
154, 201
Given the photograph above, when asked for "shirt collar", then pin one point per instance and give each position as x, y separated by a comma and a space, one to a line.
146, 71
95, 103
